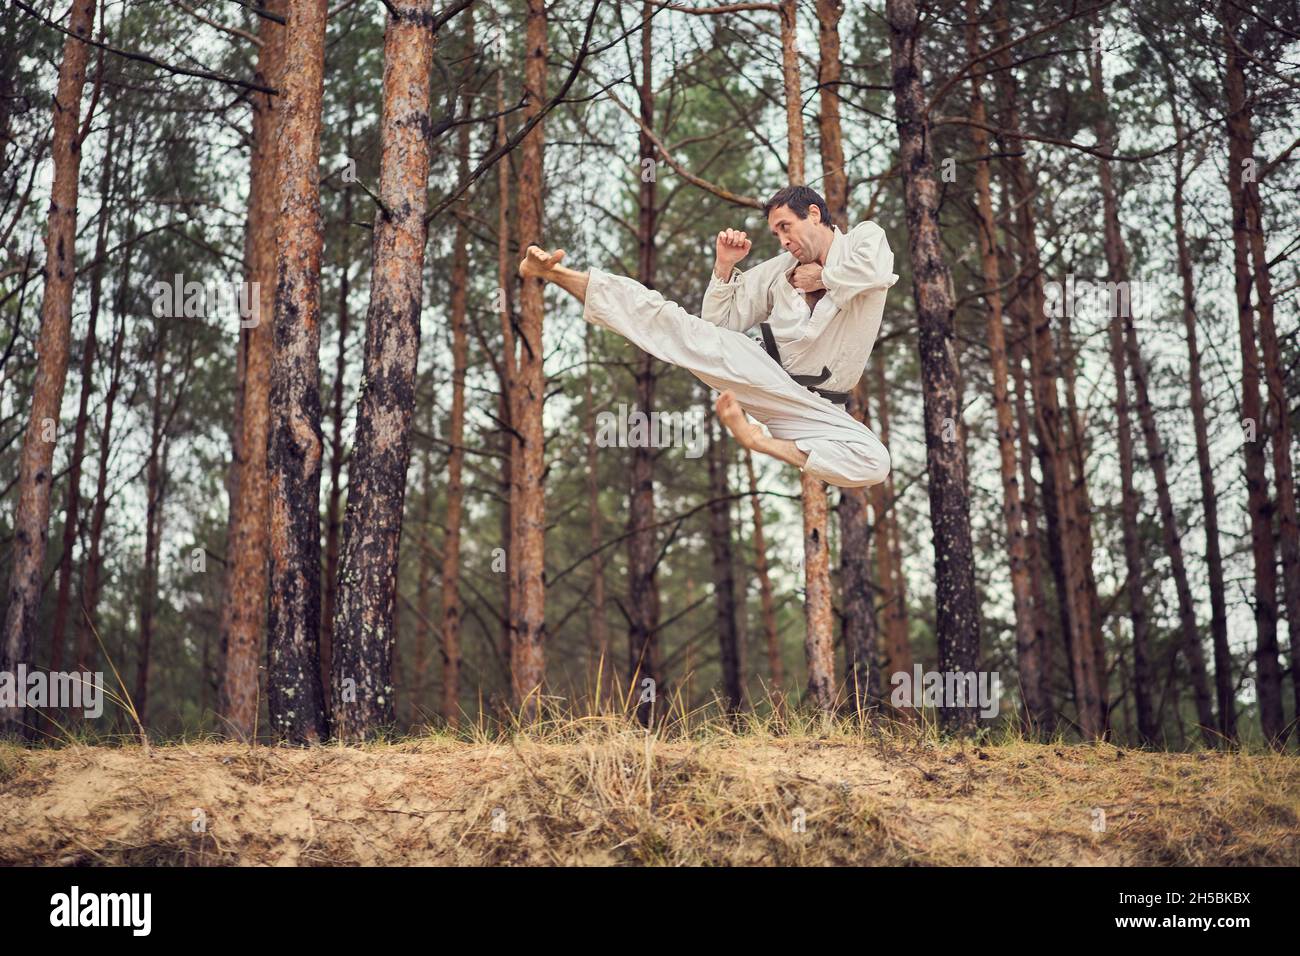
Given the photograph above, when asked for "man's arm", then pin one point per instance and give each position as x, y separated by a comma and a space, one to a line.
867, 264
737, 300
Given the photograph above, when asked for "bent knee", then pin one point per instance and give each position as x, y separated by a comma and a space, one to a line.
848, 464
867, 465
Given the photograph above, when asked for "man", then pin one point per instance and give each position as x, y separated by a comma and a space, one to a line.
818, 306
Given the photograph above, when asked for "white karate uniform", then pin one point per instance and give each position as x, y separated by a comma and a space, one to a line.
837, 334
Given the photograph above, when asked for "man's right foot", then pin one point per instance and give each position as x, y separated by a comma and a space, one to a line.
746, 433
537, 262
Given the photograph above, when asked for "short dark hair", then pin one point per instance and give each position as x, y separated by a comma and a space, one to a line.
799, 199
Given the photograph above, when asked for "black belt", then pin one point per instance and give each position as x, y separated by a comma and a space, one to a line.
808, 381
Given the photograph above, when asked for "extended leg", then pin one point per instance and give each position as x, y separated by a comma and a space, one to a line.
806, 430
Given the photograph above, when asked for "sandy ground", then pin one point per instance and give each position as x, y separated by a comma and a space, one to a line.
622, 798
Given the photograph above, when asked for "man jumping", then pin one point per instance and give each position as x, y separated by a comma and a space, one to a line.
818, 306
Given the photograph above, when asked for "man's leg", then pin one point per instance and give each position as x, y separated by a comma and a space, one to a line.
853, 458
806, 430
750, 435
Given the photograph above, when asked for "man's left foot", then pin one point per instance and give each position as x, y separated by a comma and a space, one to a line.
733, 417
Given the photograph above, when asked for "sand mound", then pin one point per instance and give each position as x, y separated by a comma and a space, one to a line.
620, 797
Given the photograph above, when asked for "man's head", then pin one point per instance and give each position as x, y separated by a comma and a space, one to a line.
801, 222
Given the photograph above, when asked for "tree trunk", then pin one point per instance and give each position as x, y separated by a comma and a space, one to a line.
775, 666
1135, 583
857, 601
527, 392
1276, 378
72, 504
155, 480
90, 581
793, 96
1225, 691
1077, 445
643, 589
642, 544
1033, 548
456, 437
597, 625
244, 604
1065, 533
35, 468
819, 635
856, 594
334, 501
956, 601
835, 180
372, 526
1191, 637
1268, 671
1117, 270
1028, 650
294, 696
425, 634
724, 574
338, 454
506, 369
896, 657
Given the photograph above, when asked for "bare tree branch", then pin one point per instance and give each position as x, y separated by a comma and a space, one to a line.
721, 193
144, 58
490, 160
233, 31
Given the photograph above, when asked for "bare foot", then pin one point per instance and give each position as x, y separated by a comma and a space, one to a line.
733, 416
537, 262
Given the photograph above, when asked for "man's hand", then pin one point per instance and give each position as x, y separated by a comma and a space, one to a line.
807, 277
732, 246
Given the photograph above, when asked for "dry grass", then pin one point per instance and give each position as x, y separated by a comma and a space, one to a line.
600, 790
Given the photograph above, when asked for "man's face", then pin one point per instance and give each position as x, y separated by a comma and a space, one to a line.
799, 237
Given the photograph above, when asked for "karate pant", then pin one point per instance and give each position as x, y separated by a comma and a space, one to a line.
841, 450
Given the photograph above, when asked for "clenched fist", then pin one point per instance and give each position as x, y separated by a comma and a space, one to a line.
807, 277
732, 246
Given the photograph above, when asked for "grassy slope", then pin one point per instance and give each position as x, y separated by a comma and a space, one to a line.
599, 792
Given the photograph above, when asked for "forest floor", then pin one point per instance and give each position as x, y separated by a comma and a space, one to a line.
602, 792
